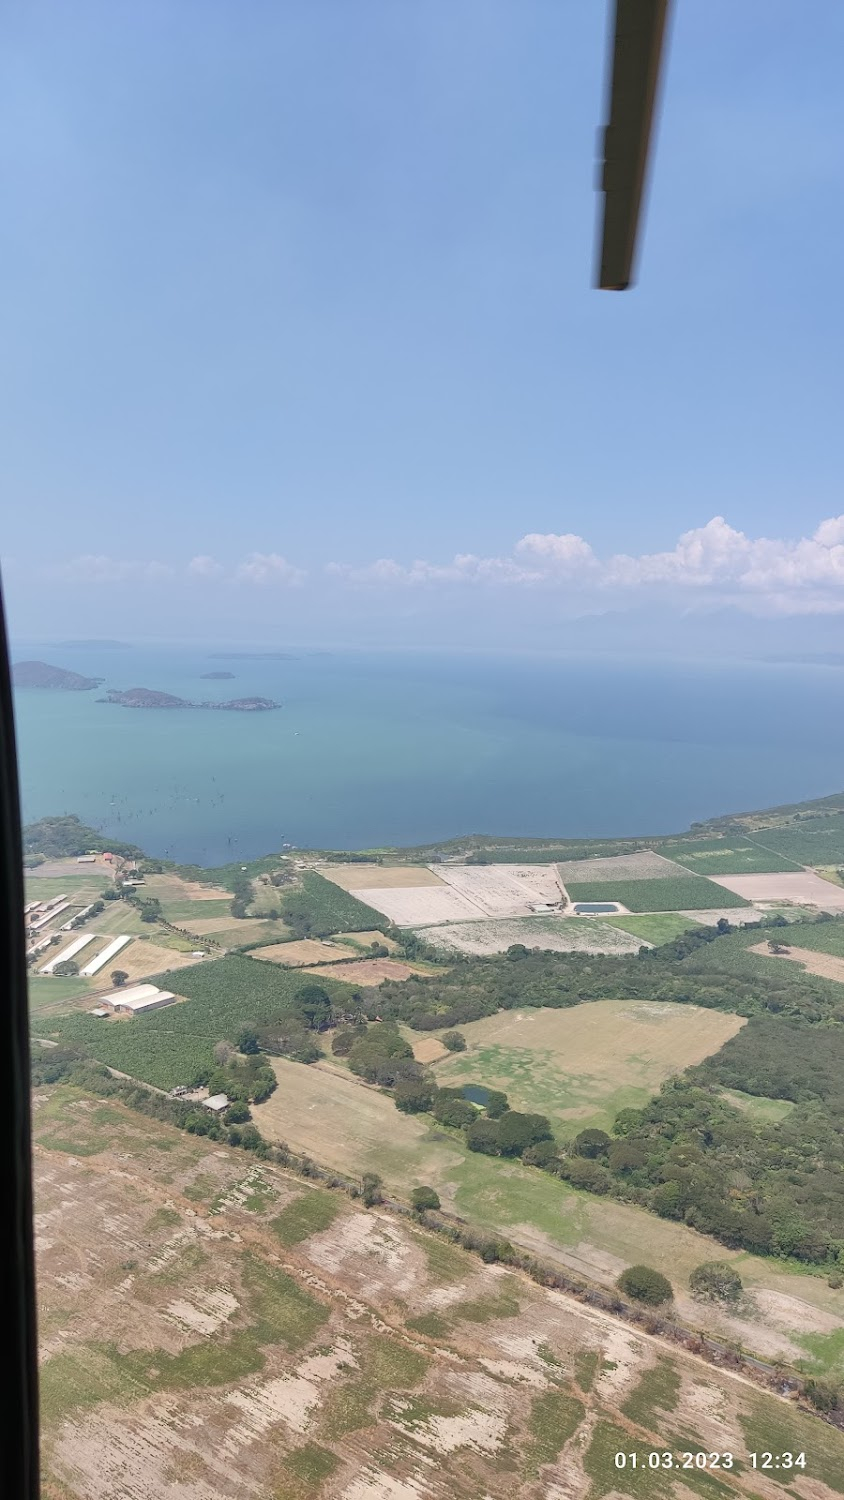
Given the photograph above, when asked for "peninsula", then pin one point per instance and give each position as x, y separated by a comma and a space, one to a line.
39, 674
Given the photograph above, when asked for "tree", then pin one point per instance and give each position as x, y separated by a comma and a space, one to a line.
223, 1052
823, 1395
424, 1198
517, 951
644, 1284
496, 1104
540, 1155
582, 1172
313, 1004
715, 1281
343, 1040
592, 1143
414, 1095
247, 1040
626, 1156
455, 1041
370, 1189
118, 978
451, 1109
627, 1120
482, 1135
66, 969
238, 1113
517, 1131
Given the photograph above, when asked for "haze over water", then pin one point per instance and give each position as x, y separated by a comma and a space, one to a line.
386, 749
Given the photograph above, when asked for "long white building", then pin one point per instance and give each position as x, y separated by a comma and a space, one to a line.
110, 951
69, 952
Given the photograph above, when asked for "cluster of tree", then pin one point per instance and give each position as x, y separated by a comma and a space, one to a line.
293, 1033
242, 894
67, 836
244, 1075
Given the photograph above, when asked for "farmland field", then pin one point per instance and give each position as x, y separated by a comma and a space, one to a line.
422, 906
296, 954
727, 857
821, 937
372, 877
802, 886
324, 907
811, 841
556, 934
47, 995
366, 971
657, 927
330, 1116
645, 864
679, 893
824, 964
581, 1066
230, 931
165, 1047
504, 890
276, 1333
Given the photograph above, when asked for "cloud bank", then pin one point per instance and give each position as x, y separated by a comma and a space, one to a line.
710, 565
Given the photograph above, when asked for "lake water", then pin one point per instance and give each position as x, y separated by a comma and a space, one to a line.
388, 749
595, 908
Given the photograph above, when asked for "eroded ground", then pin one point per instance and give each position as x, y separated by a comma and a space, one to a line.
212, 1327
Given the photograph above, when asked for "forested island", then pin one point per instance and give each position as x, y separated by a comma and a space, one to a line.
151, 698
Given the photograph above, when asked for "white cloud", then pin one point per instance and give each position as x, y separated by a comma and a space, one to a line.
268, 568
205, 567
98, 568
713, 563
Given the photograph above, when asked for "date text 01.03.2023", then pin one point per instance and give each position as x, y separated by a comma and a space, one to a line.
656, 1459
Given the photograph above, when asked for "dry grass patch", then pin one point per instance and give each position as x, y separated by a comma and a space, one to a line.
364, 940
554, 934
140, 958
172, 888
378, 877
303, 951
428, 1049
367, 970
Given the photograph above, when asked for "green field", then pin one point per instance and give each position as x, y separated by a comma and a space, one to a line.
183, 913
677, 893
658, 927
807, 840
766, 1111
46, 993
167, 1046
727, 857
821, 937
319, 907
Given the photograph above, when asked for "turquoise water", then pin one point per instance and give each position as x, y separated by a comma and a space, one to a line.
594, 908
372, 749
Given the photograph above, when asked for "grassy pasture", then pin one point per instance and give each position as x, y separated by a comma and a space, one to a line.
821, 937
656, 927
677, 893
766, 1111
580, 1066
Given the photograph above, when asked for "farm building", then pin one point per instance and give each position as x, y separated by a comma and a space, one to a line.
99, 1011
49, 915
69, 952
217, 1102
110, 951
144, 1002
86, 859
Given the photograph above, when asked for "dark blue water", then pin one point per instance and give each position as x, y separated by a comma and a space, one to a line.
476, 1093
387, 749
595, 907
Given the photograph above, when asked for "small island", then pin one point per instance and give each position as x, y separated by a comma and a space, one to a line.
217, 676
149, 698
39, 674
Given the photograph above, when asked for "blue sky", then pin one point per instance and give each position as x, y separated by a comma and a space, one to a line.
298, 336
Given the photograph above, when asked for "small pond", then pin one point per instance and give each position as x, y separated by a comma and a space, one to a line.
591, 908
476, 1093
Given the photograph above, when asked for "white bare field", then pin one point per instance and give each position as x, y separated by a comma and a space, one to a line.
421, 905
504, 890
800, 886
367, 877
559, 934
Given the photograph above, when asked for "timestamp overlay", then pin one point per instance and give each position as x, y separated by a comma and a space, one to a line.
691, 1459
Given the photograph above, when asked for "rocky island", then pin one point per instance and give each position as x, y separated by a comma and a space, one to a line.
149, 698
39, 674
217, 676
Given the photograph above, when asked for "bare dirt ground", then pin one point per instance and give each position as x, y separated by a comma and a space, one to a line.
428, 1049
558, 934
737, 916
645, 865
824, 964
504, 890
373, 877
303, 951
366, 970
803, 887
192, 1352
421, 906
170, 888
364, 940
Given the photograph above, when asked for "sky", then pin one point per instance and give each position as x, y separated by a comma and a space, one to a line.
298, 338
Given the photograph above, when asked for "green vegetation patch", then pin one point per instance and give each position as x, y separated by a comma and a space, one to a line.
433, 1325
446, 1263
554, 1419
170, 1046
659, 927
79, 1378
766, 1111
728, 857
677, 893
304, 1470
384, 1366
772, 1427
657, 1393
485, 1309
318, 907
587, 1363
312, 1212
827, 1353
809, 840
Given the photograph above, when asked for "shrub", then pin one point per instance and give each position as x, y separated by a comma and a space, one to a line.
644, 1284
823, 1394
247, 1040
581, 1172
450, 1108
67, 969
517, 1131
423, 1198
542, 1154
482, 1135
238, 1113
715, 1281
496, 1104
413, 1095
626, 1156
455, 1041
